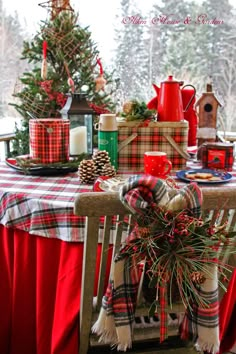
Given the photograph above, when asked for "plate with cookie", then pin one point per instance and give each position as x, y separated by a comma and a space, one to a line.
204, 176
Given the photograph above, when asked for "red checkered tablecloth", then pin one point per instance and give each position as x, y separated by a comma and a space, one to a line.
44, 205
41, 205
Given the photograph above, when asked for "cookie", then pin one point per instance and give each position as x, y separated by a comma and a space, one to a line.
215, 178
203, 175
190, 175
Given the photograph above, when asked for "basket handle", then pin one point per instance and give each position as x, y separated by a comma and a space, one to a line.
172, 142
127, 141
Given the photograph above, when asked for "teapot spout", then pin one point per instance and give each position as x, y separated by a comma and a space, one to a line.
156, 88
154, 101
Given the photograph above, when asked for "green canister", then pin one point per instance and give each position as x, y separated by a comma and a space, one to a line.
108, 137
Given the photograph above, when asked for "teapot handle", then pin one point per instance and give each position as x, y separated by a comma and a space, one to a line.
191, 99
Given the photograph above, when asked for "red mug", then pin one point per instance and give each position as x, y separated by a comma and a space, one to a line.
157, 164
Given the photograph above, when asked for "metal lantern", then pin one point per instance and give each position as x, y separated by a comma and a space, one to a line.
81, 117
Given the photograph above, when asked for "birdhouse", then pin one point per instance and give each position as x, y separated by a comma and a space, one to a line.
206, 108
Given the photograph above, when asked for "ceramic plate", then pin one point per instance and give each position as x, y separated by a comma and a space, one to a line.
41, 170
106, 184
191, 176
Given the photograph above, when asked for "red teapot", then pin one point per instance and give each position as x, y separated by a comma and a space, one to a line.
170, 100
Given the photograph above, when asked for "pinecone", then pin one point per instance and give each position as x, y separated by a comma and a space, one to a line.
127, 107
86, 171
198, 277
100, 158
108, 170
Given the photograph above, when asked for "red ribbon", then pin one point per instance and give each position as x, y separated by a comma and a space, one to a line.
163, 312
145, 123
45, 49
100, 65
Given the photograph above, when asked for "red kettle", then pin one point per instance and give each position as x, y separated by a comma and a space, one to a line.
169, 100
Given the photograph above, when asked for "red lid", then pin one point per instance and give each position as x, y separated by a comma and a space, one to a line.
170, 80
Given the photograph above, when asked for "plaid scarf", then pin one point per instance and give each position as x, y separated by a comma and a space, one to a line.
116, 318
201, 325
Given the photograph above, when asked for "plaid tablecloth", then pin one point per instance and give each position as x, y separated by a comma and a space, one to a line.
44, 205
41, 205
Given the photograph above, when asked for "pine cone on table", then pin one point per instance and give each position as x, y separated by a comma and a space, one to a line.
87, 171
100, 158
108, 170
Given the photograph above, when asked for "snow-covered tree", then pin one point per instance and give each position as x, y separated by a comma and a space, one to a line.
130, 55
11, 39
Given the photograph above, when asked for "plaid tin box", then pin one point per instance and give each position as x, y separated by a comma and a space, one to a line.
217, 155
136, 137
49, 140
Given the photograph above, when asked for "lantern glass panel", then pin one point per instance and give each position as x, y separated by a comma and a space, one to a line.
80, 114
84, 120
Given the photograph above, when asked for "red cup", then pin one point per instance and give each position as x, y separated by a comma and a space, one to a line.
157, 164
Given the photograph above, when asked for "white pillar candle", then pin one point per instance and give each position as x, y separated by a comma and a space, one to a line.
78, 140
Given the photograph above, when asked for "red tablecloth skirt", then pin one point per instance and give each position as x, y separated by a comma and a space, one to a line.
39, 294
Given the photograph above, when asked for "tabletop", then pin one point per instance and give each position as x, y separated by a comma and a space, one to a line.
44, 205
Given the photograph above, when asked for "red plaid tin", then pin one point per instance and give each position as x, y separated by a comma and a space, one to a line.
135, 138
217, 155
49, 140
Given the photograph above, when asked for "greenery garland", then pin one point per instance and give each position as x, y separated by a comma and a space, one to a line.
178, 248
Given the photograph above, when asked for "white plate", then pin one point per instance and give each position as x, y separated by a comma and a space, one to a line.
224, 177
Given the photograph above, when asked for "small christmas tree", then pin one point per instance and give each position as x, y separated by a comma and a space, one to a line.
64, 59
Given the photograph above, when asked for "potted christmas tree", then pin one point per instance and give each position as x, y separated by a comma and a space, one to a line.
64, 58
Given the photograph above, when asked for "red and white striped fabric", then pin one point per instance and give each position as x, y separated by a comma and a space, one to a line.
44, 205
41, 205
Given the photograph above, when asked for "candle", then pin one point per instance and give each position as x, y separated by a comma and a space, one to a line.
78, 140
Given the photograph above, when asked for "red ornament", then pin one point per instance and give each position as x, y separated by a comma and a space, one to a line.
70, 81
71, 84
100, 80
44, 62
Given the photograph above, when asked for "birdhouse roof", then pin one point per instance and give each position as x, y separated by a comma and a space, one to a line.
207, 94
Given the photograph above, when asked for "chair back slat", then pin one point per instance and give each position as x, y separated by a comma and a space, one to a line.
103, 259
119, 234
224, 216
232, 220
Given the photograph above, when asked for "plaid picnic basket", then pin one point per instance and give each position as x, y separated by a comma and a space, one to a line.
49, 140
135, 138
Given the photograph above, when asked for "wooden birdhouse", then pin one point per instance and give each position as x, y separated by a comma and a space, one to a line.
206, 108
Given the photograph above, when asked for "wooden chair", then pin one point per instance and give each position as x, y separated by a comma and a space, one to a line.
94, 205
7, 138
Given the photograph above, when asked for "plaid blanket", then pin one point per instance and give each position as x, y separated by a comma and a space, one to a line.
116, 318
